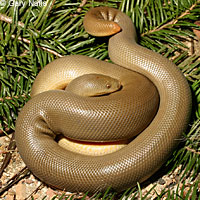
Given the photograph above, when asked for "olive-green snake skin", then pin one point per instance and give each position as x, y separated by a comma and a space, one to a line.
60, 112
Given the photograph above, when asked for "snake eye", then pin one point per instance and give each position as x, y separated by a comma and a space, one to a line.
108, 86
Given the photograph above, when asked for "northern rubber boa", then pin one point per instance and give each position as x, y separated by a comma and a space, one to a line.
51, 112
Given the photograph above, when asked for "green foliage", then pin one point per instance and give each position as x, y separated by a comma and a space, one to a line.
31, 37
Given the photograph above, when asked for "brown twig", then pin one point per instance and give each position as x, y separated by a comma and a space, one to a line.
192, 150
81, 5
53, 2
6, 130
9, 98
34, 192
174, 21
7, 158
38, 46
16, 178
9, 20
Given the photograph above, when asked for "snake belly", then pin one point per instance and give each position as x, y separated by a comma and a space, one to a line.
36, 128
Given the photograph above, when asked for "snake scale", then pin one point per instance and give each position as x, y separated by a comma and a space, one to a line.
53, 111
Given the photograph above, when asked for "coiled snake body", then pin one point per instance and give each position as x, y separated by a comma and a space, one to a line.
53, 112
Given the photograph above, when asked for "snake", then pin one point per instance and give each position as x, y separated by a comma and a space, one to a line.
153, 91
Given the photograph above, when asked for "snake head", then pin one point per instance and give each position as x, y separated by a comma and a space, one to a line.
93, 85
